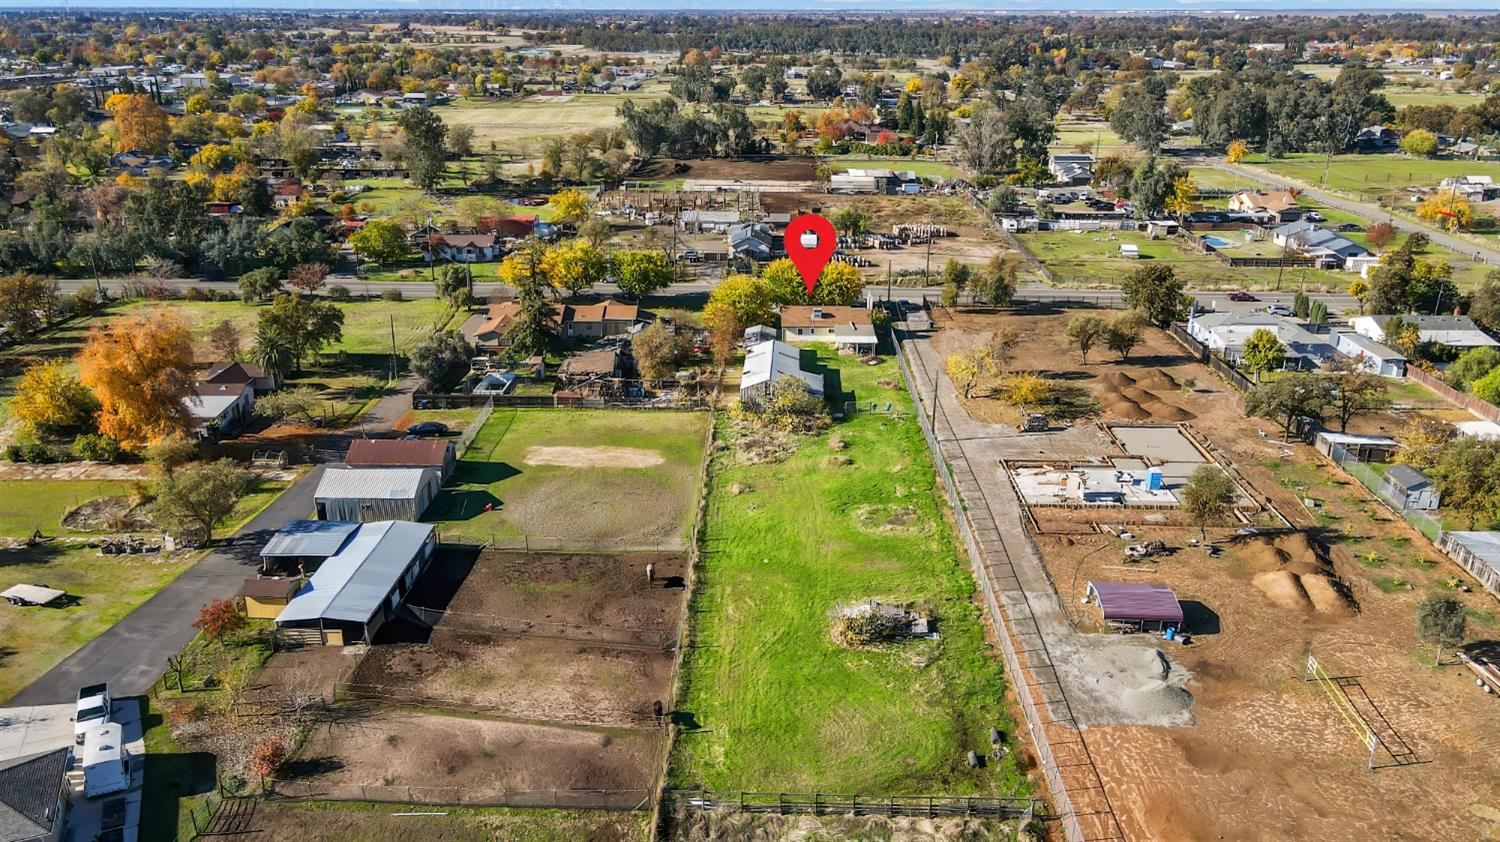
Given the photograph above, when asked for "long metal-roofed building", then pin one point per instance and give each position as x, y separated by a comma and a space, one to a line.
767, 362
360, 587
1478, 552
371, 494
1138, 605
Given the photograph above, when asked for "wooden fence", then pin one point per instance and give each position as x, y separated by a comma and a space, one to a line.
1483, 409
829, 804
1231, 375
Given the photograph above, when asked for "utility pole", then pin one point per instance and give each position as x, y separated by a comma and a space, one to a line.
888, 280
393, 347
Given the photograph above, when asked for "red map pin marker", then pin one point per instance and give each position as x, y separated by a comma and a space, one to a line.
810, 242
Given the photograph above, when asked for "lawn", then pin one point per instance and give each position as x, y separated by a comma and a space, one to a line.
1092, 258
28, 505
367, 324
1073, 133
771, 702
518, 125
615, 479
924, 168
1369, 175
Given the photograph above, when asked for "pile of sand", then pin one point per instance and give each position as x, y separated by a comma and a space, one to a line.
1111, 681
1295, 573
1132, 399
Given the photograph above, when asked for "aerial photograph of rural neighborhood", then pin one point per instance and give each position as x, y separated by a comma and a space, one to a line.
901, 421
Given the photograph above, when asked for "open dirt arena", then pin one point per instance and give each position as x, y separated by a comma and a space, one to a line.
594, 457
274, 822
1263, 755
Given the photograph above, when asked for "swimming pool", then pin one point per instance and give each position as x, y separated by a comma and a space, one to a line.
1218, 242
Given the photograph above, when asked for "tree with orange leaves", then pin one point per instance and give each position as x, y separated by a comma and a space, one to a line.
139, 369
142, 123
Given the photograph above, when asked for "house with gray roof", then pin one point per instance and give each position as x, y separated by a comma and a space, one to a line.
1226, 332
363, 585
1371, 355
370, 494
32, 796
768, 362
1451, 331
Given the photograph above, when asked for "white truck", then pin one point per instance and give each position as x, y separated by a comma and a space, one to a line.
105, 763
94, 707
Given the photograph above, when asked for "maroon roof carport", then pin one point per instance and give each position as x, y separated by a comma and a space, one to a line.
1130, 602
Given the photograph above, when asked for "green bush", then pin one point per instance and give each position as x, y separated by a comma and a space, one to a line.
392, 295
339, 292
96, 448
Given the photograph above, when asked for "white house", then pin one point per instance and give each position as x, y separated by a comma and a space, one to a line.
1475, 188
1449, 331
767, 362
845, 327
1371, 355
220, 409
465, 248
1071, 169
1227, 331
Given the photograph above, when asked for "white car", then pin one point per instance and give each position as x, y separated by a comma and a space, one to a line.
1313, 216
1279, 310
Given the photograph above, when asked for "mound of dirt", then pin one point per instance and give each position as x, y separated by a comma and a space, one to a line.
1139, 395
881, 517
1159, 381
1295, 573
1117, 379
1120, 406
1163, 411
109, 514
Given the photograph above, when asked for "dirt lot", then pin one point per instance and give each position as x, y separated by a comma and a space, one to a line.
784, 169
1268, 756
479, 759
379, 823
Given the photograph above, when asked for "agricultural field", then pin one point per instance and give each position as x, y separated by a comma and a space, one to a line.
1372, 175
565, 479
1092, 258
367, 324
369, 822
795, 529
521, 124
1073, 133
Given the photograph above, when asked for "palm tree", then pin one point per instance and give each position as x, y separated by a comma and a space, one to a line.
271, 352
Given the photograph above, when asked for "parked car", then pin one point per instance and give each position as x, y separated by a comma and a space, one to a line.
1349, 226
1242, 296
428, 429
1313, 216
94, 706
690, 256
1279, 310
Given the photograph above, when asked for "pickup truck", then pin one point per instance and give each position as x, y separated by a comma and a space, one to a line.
94, 706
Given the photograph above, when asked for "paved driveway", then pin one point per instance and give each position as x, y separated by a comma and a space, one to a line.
133, 652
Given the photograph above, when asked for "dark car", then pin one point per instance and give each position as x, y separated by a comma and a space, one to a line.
1349, 226
428, 429
1242, 296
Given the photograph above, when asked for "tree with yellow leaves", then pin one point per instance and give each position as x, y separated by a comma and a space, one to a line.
575, 265
1237, 151
142, 124
50, 399
570, 206
139, 369
1447, 209
1180, 202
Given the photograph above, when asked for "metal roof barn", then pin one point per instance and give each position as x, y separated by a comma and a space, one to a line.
371, 494
309, 538
1131, 602
366, 580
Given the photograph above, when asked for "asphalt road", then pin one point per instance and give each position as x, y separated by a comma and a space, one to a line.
1373, 213
1027, 292
133, 652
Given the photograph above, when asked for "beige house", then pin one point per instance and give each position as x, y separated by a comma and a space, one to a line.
844, 327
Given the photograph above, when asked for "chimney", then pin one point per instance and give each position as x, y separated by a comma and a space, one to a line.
817, 313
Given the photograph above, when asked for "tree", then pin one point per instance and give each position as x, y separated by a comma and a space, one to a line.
1285, 399
996, 282
659, 351
1484, 301
640, 272
271, 351
980, 142
571, 206
1402, 335
575, 265
219, 619
296, 402
1317, 313
225, 340
27, 304
824, 80
306, 326
851, 221
440, 359
839, 285
139, 369
738, 302
1419, 143
1470, 366
260, 284
49, 399
193, 499
1447, 209
267, 756
1125, 331
307, 277
1084, 332
1353, 391
380, 241
422, 133
1441, 621
461, 141
1002, 345
1151, 187
967, 367
1423, 440
1180, 202
142, 124
1207, 497
452, 284
1467, 471
1263, 353
1140, 118
1487, 388
790, 407
1380, 234
1236, 151
1155, 291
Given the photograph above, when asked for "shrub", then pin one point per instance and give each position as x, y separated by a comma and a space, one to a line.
219, 619
339, 292
198, 294
96, 448
36, 453
392, 295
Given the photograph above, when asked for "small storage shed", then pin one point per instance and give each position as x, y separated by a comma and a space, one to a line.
1361, 448
1411, 488
1478, 552
1130, 251
370, 494
1136, 605
265, 596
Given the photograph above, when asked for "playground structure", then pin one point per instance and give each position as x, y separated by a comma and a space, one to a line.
1375, 732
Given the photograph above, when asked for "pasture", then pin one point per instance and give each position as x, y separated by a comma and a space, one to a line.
1092, 258
1371, 175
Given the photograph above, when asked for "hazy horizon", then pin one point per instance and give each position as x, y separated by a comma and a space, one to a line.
1263, 7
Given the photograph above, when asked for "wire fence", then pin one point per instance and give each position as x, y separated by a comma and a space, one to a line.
462, 796
1375, 482
472, 430
823, 803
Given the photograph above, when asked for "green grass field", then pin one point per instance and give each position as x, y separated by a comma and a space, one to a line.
367, 324
629, 480
517, 124
1368, 175
778, 705
1092, 258
924, 168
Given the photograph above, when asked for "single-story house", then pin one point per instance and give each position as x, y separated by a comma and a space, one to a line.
767, 362
34, 795
516, 226
1136, 605
752, 241
849, 183
1410, 487
1376, 139
1280, 206
845, 327
1361, 448
1478, 553
1227, 331
363, 585
1071, 169
265, 596
719, 221
464, 248
607, 318
220, 409
490, 337
369, 494
1327, 247
1371, 355
1282, 235
1475, 188
438, 454
301, 545
1451, 331
249, 374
